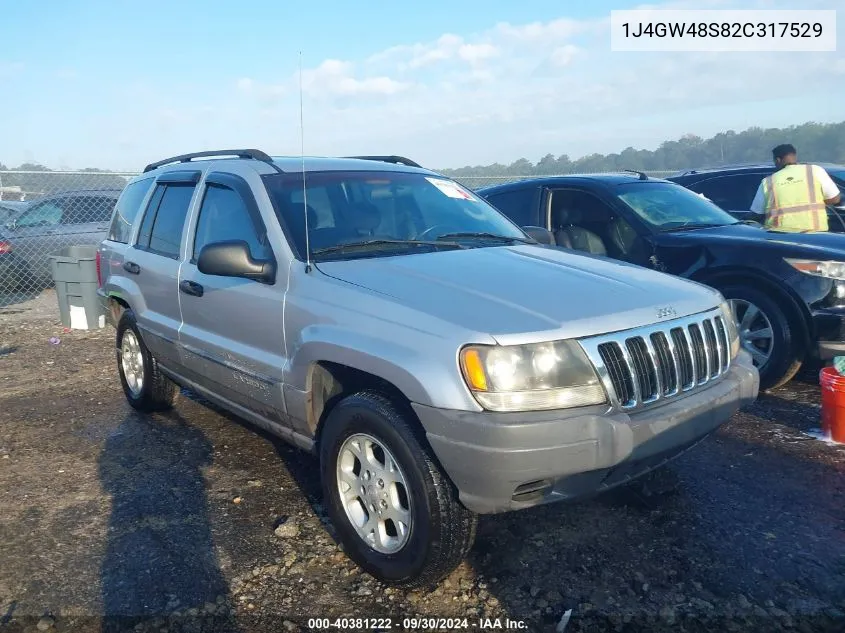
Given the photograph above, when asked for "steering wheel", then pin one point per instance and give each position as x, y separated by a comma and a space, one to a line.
422, 236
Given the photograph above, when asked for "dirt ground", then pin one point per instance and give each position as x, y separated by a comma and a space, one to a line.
113, 521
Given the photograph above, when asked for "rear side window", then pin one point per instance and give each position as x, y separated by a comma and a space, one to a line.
164, 221
518, 204
732, 193
126, 210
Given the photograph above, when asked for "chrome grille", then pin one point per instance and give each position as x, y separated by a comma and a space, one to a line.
647, 365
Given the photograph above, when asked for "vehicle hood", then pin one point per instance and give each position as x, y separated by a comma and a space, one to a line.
823, 244
526, 293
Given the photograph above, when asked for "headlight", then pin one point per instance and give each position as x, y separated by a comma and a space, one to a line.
827, 269
552, 375
730, 325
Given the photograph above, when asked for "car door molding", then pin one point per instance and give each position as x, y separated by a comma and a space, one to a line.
229, 364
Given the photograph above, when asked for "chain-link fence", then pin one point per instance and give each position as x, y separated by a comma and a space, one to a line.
42, 212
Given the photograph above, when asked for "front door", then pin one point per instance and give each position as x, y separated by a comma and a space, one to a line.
232, 333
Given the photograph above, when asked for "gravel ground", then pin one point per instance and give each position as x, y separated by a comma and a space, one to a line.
190, 521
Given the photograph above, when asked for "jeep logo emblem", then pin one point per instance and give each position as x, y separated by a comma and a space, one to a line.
666, 312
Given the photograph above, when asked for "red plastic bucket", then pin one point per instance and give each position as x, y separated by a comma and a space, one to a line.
833, 404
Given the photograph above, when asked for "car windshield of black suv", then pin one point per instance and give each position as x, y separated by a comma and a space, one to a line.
378, 213
670, 207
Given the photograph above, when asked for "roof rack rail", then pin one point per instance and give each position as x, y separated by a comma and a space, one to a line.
254, 154
641, 174
397, 160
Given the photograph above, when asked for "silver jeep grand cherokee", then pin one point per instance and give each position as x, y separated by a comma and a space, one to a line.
439, 361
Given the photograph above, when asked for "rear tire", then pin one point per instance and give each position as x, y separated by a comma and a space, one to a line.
786, 353
145, 387
439, 530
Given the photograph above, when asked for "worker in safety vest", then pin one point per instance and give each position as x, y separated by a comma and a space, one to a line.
794, 198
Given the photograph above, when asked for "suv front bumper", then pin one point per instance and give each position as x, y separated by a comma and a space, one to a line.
508, 461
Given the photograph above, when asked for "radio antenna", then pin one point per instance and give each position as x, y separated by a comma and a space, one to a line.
304, 189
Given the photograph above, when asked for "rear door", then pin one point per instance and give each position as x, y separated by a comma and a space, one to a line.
232, 333
154, 261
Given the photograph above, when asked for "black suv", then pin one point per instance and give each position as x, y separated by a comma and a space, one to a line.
732, 187
787, 290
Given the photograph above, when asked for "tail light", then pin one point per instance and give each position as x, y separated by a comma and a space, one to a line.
99, 270
5, 247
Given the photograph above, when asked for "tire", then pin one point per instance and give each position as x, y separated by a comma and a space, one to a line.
441, 530
156, 392
787, 353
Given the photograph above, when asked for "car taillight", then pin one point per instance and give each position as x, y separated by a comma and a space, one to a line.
99, 271
5, 247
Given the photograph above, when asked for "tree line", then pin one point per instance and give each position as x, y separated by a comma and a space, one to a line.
816, 142
17, 182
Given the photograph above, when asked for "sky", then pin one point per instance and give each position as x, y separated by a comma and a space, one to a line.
117, 84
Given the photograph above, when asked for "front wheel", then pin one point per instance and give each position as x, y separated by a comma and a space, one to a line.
766, 333
396, 514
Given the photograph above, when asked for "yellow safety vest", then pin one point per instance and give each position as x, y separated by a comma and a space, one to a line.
794, 200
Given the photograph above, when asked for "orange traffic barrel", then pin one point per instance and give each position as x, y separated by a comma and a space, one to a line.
833, 404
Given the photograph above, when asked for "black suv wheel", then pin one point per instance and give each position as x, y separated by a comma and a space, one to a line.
766, 333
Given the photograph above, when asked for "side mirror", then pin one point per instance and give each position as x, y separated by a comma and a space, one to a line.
233, 259
544, 236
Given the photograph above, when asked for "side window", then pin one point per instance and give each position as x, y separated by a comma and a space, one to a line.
164, 222
85, 209
48, 213
223, 216
732, 193
574, 207
518, 205
126, 210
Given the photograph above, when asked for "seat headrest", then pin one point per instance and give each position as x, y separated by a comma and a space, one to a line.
364, 216
298, 209
569, 216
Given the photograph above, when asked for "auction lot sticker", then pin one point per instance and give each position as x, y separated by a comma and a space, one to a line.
451, 189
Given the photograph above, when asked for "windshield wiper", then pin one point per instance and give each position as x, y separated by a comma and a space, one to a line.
371, 244
689, 226
485, 236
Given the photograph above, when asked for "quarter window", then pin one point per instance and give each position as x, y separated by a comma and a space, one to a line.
126, 210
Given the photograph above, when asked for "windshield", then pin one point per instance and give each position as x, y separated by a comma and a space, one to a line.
838, 176
382, 212
666, 206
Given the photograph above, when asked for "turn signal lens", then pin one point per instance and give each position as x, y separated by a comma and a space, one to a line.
474, 370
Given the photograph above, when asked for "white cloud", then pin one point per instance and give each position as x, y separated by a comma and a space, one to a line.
475, 53
336, 78
245, 84
563, 56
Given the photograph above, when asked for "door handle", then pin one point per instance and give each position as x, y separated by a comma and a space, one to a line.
191, 288
131, 267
